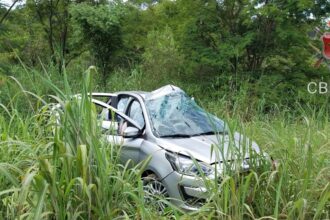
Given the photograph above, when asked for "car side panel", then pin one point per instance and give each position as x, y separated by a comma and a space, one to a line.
131, 150
158, 162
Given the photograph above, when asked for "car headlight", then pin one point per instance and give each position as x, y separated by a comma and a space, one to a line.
187, 166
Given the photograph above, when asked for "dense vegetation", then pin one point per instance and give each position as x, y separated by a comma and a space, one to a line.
261, 47
249, 62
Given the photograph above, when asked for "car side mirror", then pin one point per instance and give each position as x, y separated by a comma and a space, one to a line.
131, 132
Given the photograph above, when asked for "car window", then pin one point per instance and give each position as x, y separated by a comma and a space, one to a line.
117, 126
135, 113
122, 103
176, 114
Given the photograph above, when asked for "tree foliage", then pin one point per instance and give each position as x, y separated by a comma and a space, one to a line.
229, 42
99, 27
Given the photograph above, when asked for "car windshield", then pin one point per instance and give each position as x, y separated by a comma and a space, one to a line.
177, 115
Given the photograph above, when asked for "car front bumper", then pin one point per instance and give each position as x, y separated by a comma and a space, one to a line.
187, 192
190, 192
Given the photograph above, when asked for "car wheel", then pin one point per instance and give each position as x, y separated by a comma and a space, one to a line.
155, 192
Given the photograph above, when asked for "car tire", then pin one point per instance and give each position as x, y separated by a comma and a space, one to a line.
155, 192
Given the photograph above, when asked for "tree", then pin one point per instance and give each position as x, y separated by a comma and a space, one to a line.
8, 11
54, 17
28, 45
161, 58
100, 29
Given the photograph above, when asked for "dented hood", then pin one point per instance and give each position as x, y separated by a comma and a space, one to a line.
211, 148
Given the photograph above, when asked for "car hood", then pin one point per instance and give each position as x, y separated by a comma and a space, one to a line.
210, 148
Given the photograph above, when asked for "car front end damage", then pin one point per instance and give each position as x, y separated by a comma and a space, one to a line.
191, 186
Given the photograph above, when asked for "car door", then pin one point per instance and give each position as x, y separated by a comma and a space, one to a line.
131, 146
115, 123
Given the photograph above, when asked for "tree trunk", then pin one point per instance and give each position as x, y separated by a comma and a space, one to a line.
7, 12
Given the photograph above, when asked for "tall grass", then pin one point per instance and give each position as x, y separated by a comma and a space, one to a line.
69, 173
72, 173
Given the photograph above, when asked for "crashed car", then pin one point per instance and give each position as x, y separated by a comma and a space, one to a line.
183, 143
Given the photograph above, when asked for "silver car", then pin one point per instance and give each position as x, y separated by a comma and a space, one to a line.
183, 144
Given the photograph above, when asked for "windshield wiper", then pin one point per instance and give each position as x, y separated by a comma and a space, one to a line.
176, 135
208, 133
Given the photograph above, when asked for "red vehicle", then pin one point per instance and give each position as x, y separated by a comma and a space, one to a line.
324, 55
326, 45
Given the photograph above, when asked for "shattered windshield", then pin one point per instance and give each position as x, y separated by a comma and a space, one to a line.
177, 115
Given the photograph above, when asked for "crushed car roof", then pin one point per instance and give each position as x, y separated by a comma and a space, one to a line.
162, 91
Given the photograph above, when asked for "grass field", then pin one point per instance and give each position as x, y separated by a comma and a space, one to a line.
75, 175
